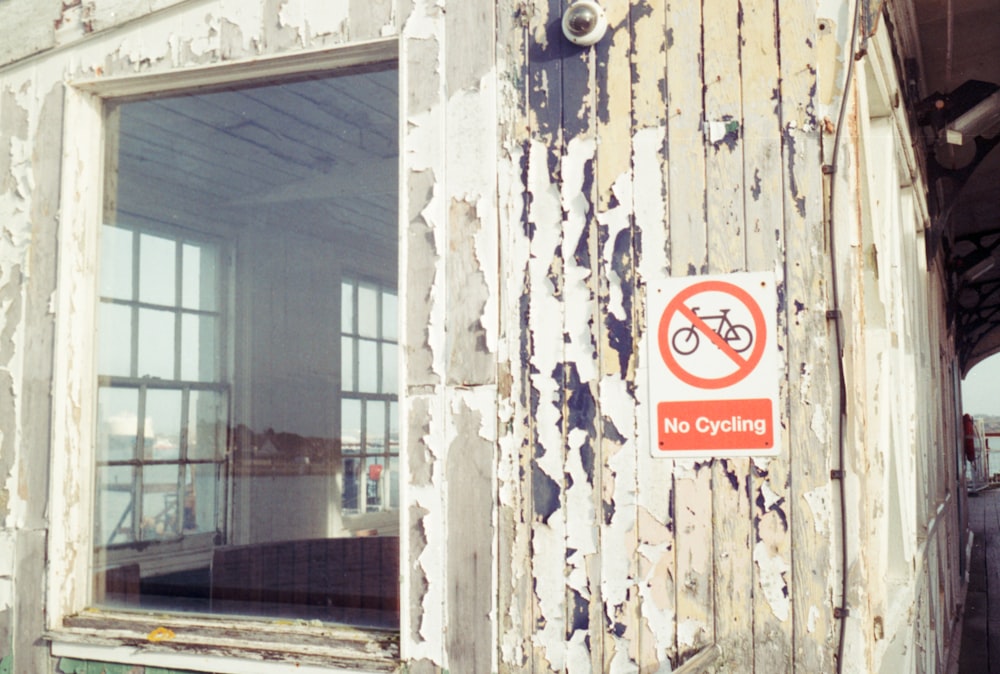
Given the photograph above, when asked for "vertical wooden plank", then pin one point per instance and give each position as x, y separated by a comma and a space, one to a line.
812, 404
515, 432
692, 486
422, 288
577, 371
724, 185
655, 644
471, 645
618, 609
545, 339
765, 250
471, 281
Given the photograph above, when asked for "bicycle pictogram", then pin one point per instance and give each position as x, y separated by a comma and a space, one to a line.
737, 336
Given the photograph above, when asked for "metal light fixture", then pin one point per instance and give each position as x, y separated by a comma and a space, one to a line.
584, 23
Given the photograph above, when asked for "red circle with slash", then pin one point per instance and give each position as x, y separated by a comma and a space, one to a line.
744, 364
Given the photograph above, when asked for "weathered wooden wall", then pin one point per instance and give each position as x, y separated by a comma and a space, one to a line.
616, 183
544, 186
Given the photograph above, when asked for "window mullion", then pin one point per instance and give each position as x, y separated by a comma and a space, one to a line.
137, 472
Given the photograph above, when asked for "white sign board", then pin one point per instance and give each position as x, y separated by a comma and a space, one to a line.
713, 366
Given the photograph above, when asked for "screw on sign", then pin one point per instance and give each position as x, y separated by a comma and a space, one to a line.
686, 330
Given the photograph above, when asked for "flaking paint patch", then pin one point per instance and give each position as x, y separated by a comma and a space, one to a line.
772, 570
650, 207
315, 18
818, 500
690, 633
576, 277
617, 219
427, 501
425, 20
548, 539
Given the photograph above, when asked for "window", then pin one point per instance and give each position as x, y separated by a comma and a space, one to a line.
246, 453
160, 318
368, 407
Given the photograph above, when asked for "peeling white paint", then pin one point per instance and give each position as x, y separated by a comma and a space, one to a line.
431, 560
313, 18
773, 579
690, 633
819, 505
424, 21
812, 619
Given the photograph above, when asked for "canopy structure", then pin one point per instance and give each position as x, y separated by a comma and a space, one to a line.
959, 63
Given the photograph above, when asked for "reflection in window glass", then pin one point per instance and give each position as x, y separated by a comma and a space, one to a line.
116, 280
247, 383
372, 406
350, 425
117, 423
156, 270
115, 505
156, 343
206, 430
199, 270
163, 425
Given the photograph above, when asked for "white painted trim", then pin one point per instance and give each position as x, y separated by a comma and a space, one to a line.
68, 580
244, 71
74, 379
197, 663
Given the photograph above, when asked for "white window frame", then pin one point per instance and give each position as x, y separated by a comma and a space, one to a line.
74, 399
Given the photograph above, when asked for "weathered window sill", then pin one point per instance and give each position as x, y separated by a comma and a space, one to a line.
223, 645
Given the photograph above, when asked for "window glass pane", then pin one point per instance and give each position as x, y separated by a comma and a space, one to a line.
350, 425
200, 497
114, 356
117, 423
163, 425
367, 311
347, 307
198, 344
347, 363
250, 234
390, 369
367, 366
375, 481
198, 284
160, 507
115, 505
393, 427
206, 425
157, 270
116, 262
352, 484
389, 316
156, 343
375, 427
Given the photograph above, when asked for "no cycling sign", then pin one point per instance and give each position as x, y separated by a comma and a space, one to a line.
713, 366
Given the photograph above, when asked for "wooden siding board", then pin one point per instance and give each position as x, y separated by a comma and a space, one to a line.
689, 231
545, 326
655, 634
724, 187
469, 470
514, 609
578, 369
812, 416
615, 602
424, 128
33, 22
765, 250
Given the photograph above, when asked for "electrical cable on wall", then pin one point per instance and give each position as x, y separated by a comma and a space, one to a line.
841, 612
